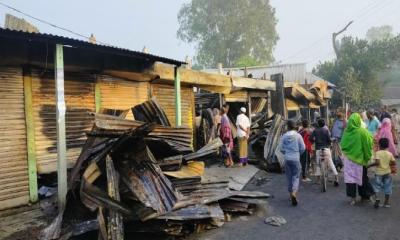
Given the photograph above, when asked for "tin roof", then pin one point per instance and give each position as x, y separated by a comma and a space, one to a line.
55, 39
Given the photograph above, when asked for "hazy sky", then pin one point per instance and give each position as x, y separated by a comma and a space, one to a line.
304, 27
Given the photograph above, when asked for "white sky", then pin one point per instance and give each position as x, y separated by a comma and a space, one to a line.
305, 26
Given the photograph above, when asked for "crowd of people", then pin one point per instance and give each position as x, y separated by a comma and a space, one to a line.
354, 142
358, 140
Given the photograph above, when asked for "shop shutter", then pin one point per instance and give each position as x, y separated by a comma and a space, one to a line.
14, 183
79, 98
120, 94
165, 94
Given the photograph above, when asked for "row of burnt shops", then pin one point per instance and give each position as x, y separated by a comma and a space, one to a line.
49, 81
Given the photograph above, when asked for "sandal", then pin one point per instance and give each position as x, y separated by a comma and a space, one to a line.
294, 200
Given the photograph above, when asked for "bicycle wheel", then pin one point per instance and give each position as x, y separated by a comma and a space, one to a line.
324, 173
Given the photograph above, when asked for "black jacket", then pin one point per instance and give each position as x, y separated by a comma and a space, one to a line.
321, 137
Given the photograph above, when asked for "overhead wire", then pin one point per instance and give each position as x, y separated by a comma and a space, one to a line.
365, 12
364, 21
380, 18
48, 23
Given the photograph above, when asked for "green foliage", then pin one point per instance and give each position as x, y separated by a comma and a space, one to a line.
247, 61
226, 31
357, 72
380, 33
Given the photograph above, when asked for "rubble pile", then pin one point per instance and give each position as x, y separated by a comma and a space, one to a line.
265, 139
120, 186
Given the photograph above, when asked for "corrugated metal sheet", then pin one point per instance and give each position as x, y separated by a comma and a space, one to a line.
166, 97
295, 72
105, 48
239, 96
80, 100
14, 185
119, 94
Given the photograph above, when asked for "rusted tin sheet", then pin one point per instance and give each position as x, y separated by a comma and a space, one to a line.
14, 182
151, 111
195, 212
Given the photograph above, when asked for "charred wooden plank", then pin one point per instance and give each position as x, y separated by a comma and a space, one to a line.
115, 223
102, 225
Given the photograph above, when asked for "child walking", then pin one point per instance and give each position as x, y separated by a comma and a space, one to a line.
385, 166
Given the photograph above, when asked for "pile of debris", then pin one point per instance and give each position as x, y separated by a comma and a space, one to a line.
120, 184
265, 142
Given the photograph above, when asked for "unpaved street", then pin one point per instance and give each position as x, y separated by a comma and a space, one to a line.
318, 216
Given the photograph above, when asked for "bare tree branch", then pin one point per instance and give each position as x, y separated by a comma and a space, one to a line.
334, 36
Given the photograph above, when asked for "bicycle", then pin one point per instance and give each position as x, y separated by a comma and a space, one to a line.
324, 170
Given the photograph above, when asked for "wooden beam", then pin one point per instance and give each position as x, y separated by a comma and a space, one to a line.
278, 101
30, 136
249, 83
249, 107
196, 78
60, 122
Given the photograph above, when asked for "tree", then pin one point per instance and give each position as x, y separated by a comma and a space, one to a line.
358, 69
226, 31
247, 61
380, 33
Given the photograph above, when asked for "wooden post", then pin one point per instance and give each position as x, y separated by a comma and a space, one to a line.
249, 106
178, 110
30, 136
60, 122
220, 69
279, 96
97, 96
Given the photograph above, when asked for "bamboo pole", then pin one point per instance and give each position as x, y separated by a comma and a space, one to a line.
30, 136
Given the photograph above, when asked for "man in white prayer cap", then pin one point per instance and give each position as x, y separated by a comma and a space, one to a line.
243, 133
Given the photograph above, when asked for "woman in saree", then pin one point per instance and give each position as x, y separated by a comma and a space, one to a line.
386, 132
226, 137
357, 144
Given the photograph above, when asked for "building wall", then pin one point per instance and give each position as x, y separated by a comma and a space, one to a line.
80, 102
117, 93
80, 97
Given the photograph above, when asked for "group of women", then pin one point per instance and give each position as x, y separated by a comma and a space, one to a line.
358, 149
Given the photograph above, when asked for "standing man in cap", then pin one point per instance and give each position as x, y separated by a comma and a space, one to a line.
243, 133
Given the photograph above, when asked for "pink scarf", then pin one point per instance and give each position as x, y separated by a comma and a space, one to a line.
386, 132
225, 131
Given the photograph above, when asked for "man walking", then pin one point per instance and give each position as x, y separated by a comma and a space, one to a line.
372, 123
243, 132
292, 146
322, 139
396, 126
338, 126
